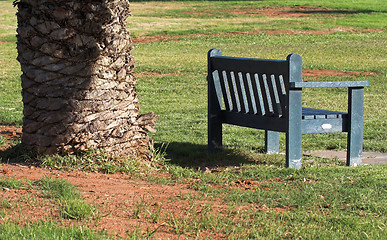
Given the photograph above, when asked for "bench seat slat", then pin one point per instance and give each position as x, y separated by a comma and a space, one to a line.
311, 113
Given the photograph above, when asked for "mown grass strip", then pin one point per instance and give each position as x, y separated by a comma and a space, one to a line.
48, 230
72, 205
11, 183
58, 188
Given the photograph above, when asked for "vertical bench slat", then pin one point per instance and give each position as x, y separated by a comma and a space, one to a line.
225, 92
242, 93
218, 88
274, 96
231, 95
266, 96
234, 89
282, 94
258, 95
250, 94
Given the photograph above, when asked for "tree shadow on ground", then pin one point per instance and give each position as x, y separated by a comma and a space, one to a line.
18, 154
187, 155
196, 156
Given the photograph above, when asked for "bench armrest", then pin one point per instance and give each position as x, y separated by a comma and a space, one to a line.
351, 84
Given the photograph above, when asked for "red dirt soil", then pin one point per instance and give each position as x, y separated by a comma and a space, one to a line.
9, 132
295, 11
116, 196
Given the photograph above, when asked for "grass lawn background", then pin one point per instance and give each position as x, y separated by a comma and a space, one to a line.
171, 42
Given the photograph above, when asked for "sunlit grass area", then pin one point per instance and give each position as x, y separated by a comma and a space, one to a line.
324, 200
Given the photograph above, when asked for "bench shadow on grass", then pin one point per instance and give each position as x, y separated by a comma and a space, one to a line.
184, 154
195, 156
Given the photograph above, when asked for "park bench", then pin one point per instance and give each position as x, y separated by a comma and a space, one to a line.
267, 94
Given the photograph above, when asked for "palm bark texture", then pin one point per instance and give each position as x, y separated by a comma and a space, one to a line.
77, 78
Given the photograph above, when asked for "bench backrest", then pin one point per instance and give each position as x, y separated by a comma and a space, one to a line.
253, 86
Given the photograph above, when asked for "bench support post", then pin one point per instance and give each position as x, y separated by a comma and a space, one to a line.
214, 110
294, 114
355, 129
294, 135
271, 141
214, 136
214, 123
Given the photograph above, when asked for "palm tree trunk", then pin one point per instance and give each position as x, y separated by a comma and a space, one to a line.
78, 86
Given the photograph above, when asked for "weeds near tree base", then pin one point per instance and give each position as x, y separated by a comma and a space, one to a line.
11, 183
78, 209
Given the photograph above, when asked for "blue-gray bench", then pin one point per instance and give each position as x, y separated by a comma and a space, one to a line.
267, 94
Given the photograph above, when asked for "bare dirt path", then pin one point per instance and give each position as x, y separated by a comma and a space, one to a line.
122, 202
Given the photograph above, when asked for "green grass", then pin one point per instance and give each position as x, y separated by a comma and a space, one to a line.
92, 162
58, 188
314, 203
209, 17
324, 200
72, 205
77, 209
67, 196
11, 183
48, 231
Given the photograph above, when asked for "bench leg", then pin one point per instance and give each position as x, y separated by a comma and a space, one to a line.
213, 118
271, 141
294, 148
214, 135
355, 130
294, 134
